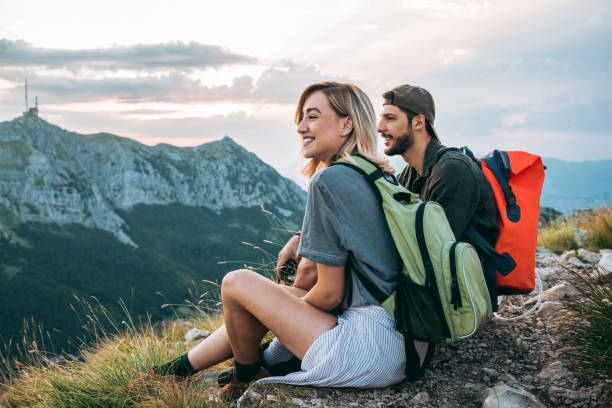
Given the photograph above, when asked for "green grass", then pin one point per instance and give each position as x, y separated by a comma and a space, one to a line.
589, 325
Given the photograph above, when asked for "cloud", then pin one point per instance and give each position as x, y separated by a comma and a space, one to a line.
280, 84
514, 119
455, 55
185, 55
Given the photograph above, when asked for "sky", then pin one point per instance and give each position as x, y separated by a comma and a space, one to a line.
516, 75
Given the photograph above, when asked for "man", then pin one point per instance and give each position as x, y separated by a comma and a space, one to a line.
434, 171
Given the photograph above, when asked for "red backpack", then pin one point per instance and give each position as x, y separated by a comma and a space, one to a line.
516, 179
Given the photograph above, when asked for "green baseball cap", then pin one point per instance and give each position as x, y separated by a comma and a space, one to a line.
416, 100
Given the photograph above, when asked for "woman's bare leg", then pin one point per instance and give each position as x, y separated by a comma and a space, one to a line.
216, 347
253, 304
212, 350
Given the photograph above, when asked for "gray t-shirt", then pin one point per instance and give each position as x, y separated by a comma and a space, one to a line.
344, 216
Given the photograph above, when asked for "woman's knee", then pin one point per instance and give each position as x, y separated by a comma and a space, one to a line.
236, 281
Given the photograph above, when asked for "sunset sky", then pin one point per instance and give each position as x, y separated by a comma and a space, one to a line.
529, 75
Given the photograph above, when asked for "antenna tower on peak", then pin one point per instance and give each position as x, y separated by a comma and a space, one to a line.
30, 111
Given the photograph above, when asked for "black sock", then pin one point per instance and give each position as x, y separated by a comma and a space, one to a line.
179, 366
246, 372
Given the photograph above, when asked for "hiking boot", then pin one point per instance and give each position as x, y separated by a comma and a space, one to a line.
234, 389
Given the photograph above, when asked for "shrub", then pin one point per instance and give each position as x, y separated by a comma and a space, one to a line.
558, 237
588, 327
599, 224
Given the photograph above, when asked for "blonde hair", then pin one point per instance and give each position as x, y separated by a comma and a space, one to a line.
347, 100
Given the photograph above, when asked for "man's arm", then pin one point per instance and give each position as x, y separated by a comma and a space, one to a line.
454, 187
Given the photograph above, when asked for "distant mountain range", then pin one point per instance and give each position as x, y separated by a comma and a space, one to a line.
104, 216
570, 185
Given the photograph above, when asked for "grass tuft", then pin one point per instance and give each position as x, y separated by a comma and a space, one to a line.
112, 373
589, 324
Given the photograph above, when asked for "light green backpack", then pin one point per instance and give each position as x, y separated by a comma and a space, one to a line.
441, 294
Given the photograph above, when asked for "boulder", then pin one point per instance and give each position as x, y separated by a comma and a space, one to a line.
545, 273
560, 291
605, 264
195, 334
576, 262
568, 254
604, 252
550, 309
543, 251
504, 396
588, 256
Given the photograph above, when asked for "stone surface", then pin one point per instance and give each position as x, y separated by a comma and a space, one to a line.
555, 372
605, 264
576, 262
560, 291
550, 309
568, 254
195, 334
588, 256
543, 251
504, 396
546, 273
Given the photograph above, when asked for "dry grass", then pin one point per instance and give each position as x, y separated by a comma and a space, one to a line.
561, 235
110, 373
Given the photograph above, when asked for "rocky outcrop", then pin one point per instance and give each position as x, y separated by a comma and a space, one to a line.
51, 175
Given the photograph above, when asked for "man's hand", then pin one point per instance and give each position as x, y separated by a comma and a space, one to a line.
289, 251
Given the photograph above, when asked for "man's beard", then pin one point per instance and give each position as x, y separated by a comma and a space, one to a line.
401, 144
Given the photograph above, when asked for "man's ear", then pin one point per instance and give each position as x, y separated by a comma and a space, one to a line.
418, 122
347, 126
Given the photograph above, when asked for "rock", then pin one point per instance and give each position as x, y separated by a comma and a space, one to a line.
503, 396
550, 309
576, 262
254, 395
605, 264
420, 398
543, 251
195, 334
582, 237
546, 273
568, 254
211, 378
554, 372
271, 398
588, 256
604, 252
560, 291
298, 402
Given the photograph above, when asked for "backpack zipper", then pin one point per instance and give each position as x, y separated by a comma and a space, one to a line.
467, 286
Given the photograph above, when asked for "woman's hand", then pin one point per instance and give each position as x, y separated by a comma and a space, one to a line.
289, 251
328, 292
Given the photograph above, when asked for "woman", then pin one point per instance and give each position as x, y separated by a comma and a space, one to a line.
337, 328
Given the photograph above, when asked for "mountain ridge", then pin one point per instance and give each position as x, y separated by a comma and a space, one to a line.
50, 174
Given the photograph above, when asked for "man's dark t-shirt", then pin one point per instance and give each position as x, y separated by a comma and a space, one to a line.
455, 182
